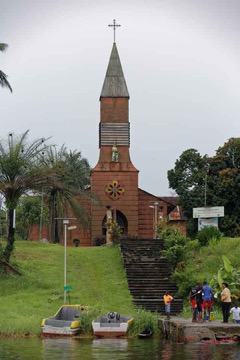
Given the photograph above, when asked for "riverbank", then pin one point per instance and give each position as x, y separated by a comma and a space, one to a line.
184, 330
96, 275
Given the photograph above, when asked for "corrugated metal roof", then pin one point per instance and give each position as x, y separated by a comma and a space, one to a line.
114, 84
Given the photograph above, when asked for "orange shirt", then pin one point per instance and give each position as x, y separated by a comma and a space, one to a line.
167, 299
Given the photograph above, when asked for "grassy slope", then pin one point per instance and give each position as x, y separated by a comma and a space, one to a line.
96, 274
206, 261
97, 277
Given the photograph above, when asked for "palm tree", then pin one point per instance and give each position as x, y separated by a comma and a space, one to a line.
64, 197
3, 76
20, 172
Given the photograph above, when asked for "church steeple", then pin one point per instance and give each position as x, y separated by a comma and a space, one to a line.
114, 126
114, 84
114, 178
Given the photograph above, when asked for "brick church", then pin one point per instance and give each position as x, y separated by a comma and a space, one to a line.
114, 179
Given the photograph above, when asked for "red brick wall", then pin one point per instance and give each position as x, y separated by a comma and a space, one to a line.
114, 110
128, 204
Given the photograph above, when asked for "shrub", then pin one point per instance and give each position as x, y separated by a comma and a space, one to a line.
116, 232
230, 226
176, 245
76, 241
208, 233
100, 240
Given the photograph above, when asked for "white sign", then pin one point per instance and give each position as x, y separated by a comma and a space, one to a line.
208, 212
202, 223
72, 227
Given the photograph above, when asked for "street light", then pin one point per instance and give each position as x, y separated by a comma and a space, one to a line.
65, 223
155, 207
41, 219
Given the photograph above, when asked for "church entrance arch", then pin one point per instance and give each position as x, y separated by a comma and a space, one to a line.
121, 220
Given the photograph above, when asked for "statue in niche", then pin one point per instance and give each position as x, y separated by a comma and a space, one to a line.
114, 153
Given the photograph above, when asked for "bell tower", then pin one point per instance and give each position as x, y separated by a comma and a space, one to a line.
114, 178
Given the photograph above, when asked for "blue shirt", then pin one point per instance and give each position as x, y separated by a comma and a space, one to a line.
207, 293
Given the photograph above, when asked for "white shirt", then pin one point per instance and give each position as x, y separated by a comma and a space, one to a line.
235, 311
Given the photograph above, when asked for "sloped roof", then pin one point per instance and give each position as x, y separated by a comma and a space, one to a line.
114, 84
170, 199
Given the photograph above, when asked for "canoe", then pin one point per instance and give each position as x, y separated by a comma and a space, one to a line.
145, 333
65, 322
111, 325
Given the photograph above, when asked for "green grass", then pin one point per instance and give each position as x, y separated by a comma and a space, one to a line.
95, 273
203, 264
206, 261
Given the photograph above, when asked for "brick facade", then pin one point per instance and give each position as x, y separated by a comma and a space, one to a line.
132, 205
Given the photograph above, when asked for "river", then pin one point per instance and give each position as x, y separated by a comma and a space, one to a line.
131, 349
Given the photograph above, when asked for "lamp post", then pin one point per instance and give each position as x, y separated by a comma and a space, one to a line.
155, 214
41, 219
65, 223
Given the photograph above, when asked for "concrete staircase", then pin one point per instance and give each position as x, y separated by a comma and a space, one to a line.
148, 274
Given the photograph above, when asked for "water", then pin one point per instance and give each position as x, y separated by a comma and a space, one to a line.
133, 349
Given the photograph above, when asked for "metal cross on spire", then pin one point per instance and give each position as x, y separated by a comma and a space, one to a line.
114, 30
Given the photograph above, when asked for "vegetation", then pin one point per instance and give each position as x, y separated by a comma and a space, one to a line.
209, 263
56, 178
176, 245
116, 232
20, 171
212, 181
73, 173
3, 77
31, 210
208, 233
96, 275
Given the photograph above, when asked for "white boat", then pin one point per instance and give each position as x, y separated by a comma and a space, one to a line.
66, 321
111, 325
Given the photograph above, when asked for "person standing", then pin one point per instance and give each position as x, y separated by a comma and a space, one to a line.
236, 313
193, 302
225, 301
167, 301
207, 299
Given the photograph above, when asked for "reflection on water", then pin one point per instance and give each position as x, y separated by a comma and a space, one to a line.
132, 349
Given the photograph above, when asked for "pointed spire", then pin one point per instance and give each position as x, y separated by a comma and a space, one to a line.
114, 84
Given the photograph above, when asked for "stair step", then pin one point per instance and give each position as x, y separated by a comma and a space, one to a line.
149, 274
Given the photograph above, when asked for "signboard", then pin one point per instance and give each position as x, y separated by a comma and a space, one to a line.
202, 223
67, 288
72, 227
208, 212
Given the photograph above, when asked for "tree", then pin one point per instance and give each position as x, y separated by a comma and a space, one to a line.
217, 177
66, 195
3, 76
224, 184
20, 172
30, 211
188, 179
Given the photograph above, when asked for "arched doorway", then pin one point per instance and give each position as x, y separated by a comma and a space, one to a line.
121, 220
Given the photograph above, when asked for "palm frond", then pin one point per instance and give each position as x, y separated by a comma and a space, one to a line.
3, 81
3, 47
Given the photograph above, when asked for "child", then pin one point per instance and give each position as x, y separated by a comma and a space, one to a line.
235, 311
167, 301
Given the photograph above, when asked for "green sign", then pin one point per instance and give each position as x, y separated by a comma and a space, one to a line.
67, 288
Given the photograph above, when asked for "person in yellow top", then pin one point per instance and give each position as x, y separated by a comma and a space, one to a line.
225, 301
167, 301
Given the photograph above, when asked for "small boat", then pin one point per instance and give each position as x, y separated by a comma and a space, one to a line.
65, 322
146, 333
111, 325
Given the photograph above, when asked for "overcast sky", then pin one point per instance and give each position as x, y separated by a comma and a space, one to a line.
181, 61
